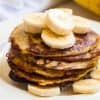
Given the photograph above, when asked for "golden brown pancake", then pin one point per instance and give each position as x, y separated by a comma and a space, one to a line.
33, 68
17, 79
54, 65
32, 44
82, 57
86, 56
42, 81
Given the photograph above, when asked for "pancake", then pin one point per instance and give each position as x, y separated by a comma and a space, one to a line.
17, 79
33, 68
42, 81
86, 56
54, 65
32, 44
83, 44
82, 57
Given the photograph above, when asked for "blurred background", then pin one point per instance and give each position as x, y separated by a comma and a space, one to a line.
16, 8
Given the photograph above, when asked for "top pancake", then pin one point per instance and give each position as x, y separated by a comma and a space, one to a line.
32, 44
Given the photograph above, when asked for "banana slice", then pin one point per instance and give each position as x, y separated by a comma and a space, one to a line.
60, 21
96, 74
66, 10
86, 86
82, 25
50, 91
34, 22
56, 41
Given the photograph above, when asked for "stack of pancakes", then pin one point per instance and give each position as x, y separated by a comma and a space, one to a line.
34, 62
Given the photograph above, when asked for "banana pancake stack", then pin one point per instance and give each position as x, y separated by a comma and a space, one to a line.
52, 48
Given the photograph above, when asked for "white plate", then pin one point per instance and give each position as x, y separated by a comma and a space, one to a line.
10, 90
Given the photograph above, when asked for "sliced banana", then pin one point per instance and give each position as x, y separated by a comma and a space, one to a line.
68, 10
56, 41
96, 74
60, 21
86, 86
50, 91
34, 22
82, 25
